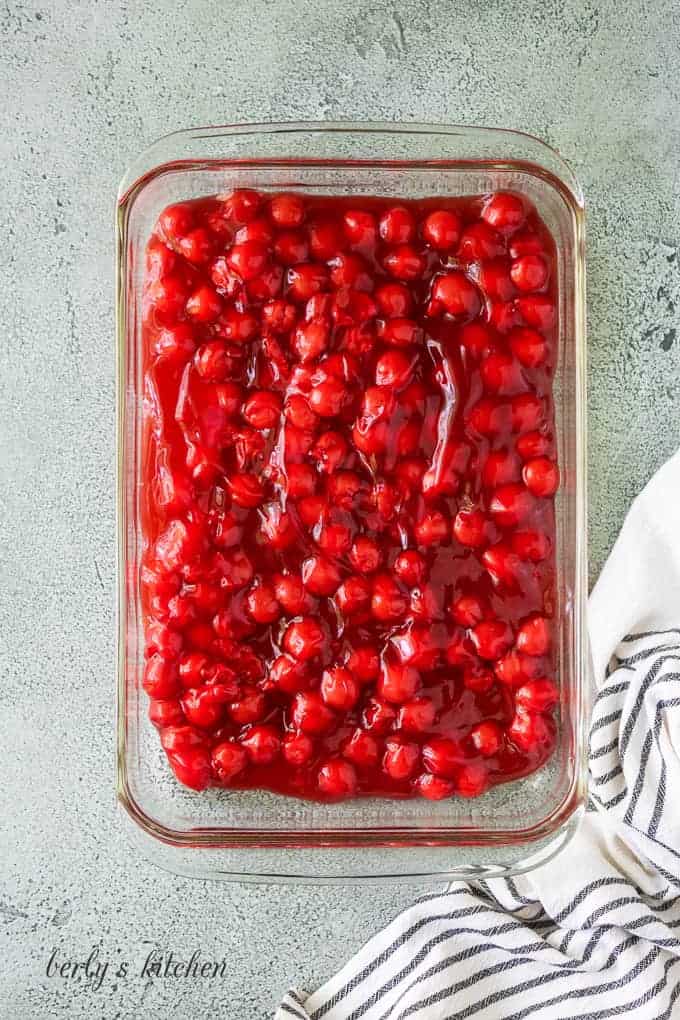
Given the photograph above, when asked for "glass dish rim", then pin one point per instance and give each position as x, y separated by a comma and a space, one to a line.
141, 172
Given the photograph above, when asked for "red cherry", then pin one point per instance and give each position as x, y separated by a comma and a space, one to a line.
494, 278
334, 539
500, 467
401, 332
394, 300
320, 576
248, 259
290, 593
297, 749
533, 637
426, 604
337, 779
262, 604
503, 564
472, 780
360, 228
192, 767
365, 555
165, 713
417, 715
160, 678
434, 788
541, 477
287, 675
533, 546
257, 230
175, 222
537, 310
160, 259
310, 714
201, 708
204, 305
176, 344
339, 689
527, 412
526, 243
417, 647
162, 639
502, 315
228, 760
310, 340
287, 210
410, 567
262, 744
441, 230
299, 413
504, 212
278, 316
267, 285
491, 638
243, 204
394, 369
388, 602
528, 346
250, 707
328, 396
179, 738
397, 225
470, 528
454, 294
529, 273
353, 596
401, 759
246, 489
487, 738
500, 373
364, 663
290, 247
378, 716
511, 669
510, 505
350, 270
404, 262
442, 756
330, 450
432, 529
362, 749
305, 638
530, 731
197, 246
533, 444
305, 280
326, 238
480, 241
397, 683
468, 610
262, 409
537, 695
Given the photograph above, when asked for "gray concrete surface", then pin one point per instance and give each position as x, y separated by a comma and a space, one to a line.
85, 85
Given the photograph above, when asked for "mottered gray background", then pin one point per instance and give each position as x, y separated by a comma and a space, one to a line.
86, 85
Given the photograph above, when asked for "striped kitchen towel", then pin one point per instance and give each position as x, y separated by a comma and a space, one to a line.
594, 933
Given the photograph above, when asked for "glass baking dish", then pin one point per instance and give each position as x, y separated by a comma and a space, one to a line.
250, 835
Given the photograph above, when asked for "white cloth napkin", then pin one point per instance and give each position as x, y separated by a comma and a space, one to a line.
595, 932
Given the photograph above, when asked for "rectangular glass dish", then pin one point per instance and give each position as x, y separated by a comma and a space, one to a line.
251, 834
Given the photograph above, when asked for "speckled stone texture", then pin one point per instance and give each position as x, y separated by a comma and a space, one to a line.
85, 86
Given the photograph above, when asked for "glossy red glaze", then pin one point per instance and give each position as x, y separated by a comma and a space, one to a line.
348, 579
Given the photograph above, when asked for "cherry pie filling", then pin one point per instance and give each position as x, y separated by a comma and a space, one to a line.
349, 471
